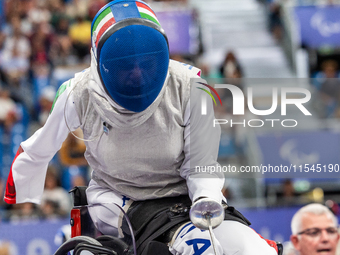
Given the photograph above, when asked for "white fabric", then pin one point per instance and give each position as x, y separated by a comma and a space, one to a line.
103, 208
29, 169
233, 238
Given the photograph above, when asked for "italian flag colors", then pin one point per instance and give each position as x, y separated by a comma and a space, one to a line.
107, 18
146, 12
102, 23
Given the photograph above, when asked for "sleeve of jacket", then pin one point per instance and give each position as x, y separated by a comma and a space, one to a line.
26, 179
201, 144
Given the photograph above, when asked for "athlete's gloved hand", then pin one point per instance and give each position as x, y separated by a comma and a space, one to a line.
206, 211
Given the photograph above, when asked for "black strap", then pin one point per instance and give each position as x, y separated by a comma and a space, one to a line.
154, 219
155, 247
79, 195
232, 214
141, 213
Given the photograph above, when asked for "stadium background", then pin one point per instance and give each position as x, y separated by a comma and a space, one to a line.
253, 43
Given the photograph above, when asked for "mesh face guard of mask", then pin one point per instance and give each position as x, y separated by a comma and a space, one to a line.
132, 53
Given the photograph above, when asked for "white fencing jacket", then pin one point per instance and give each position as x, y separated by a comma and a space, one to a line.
146, 155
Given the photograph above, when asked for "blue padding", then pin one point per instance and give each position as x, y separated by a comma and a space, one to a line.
130, 10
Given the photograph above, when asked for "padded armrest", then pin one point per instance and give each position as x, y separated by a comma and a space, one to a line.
79, 195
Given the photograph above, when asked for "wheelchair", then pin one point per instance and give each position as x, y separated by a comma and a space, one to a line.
147, 229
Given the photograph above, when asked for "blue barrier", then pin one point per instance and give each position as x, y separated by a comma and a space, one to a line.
309, 154
31, 238
273, 223
318, 26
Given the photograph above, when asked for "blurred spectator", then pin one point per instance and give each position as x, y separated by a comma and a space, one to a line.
45, 104
80, 34
58, 11
50, 210
39, 13
314, 230
288, 249
62, 25
61, 47
72, 151
2, 39
78, 181
23, 212
275, 19
5, 248
72, 157
94, 7
18, 8
77, 8
41, 41
287, 195
8, 110
330, 88
227, 193
329, 69
55, 200
333, 206
288, 191
231, 67
231, 73
2, 185
14, 57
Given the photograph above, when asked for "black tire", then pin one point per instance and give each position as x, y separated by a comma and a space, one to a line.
114, 243
69, 245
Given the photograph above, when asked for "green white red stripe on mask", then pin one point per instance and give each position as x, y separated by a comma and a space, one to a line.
107, 18
102, 23
146, 12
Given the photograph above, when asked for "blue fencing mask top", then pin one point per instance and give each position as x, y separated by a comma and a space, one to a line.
132, 53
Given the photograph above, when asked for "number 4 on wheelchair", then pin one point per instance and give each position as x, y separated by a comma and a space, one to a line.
148, 227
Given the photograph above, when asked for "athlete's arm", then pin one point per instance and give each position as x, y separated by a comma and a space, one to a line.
26, 179
201, 149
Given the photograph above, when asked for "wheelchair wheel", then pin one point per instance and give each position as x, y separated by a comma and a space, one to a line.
71, 244
115, 244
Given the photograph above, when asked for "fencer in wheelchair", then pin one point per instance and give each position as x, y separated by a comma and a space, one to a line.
145, 135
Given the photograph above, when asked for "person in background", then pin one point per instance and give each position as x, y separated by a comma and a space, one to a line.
231, 67
73, 149
45, 104
55, 200
15, 54
72, 158
80, 35
330, 88
144, 134
8, 110
314, 230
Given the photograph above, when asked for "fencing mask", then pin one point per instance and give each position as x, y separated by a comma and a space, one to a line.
132, 53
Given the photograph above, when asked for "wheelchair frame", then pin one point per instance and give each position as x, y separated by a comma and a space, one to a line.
85, 236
